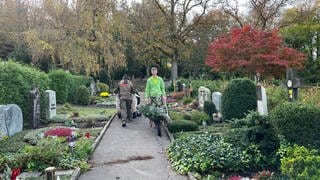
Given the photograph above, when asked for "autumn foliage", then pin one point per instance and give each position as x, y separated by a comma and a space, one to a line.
249, 51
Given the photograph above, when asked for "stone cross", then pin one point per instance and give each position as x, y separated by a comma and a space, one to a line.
262, 100
51, 104
11, 120
203, 95
293, 83
34, 95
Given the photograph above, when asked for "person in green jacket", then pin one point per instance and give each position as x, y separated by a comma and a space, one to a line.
155, 89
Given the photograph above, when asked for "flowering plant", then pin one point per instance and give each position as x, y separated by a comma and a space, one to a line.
104, 94
59, 132
264, 175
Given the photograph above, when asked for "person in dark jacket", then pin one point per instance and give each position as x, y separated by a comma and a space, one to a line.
126, 92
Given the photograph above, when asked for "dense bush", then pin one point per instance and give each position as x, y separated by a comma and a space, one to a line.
16, 82
59, 83
82, 95
199, 116
75, 82
298, 123
209, 108
238, 98
66, 85
103, 87
204, 153
176, 116
212, 85
301, 163
276, 95
182, 125
258, 131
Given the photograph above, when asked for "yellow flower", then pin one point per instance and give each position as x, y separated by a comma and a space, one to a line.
104, 94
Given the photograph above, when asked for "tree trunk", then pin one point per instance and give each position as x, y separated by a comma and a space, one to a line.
174, 70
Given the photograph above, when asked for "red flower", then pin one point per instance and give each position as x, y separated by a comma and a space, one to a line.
15, 173
65, 132
87, 135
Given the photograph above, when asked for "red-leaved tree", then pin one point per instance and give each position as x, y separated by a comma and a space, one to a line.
250, 51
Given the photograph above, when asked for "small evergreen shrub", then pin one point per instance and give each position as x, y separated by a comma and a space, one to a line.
83, 95
258, 131
176, 116
209, 108
199, 116
182, 125
238, 98
186, 100
276, 96
298, 123
301, 163
103, 87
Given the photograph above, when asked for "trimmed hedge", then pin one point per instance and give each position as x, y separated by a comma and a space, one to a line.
298, 123
16, 81
103, 87
199, 116
182, 125
66, 85
238, 98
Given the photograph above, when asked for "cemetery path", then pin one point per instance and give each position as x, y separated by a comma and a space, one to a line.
131, 153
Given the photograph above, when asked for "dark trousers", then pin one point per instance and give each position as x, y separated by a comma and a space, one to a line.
125, 107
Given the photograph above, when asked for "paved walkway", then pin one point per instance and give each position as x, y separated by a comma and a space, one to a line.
131, 153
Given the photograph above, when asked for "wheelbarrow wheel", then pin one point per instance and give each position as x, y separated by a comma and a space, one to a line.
158, 127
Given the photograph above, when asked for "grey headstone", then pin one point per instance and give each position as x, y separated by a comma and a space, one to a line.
204, 94
11, 120
51, 104
216, 99
34, 107
262, 100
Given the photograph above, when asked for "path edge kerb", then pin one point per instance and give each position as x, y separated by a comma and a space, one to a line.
171, 138
76, 173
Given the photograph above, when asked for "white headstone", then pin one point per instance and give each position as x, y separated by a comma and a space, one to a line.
262, 100
51, 104
216, 99
203, 95
11, 120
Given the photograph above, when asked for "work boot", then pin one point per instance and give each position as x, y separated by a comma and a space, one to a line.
123, 123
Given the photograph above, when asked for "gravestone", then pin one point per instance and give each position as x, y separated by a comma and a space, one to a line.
11, 120
216, 99
203, 95
293, 83
34, 95
93, 88
262, 100
51, 104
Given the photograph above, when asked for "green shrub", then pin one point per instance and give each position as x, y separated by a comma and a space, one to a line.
298, 123
258, 131
205, 153
301, 163
13, 143
199, 116
60, 83
66, 85
209, 108
186, 100
176, 116
276, 96
16, 81
103, 87
238, 99
82, 95
182, 125
75, 81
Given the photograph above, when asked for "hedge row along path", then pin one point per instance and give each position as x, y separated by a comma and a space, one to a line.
131, 153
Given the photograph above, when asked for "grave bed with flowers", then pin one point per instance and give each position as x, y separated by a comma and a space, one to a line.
60, 145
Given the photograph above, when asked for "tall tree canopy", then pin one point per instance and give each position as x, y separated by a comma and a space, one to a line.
249, 51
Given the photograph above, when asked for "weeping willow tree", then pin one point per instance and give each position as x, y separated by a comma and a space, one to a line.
76, 35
